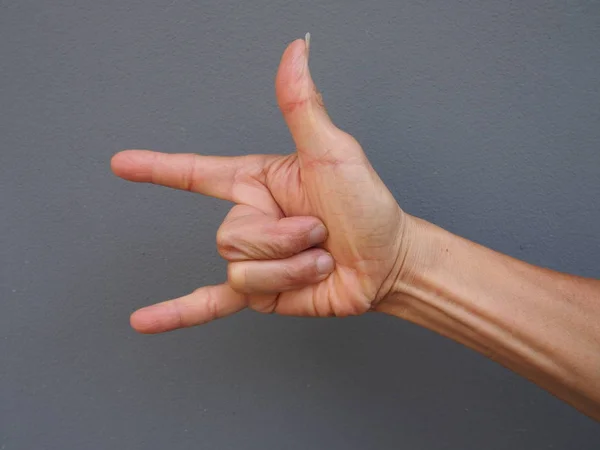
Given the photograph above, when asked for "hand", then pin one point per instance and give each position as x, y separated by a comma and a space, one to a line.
314, 233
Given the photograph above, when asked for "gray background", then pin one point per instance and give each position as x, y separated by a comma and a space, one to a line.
481, 116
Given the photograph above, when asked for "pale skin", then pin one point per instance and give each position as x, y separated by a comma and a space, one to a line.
317, 233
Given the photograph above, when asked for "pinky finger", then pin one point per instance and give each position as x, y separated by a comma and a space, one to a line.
199, 307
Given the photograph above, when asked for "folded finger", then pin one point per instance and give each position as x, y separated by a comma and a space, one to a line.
268, 277
249, 234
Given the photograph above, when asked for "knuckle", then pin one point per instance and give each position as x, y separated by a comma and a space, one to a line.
294, 104
223, 236
288, 274
212, 305
282, 246
298, 274
283, 242
180, 317
295, 242
226, 241
236, 277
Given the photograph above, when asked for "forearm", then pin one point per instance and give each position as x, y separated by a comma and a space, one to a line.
542, 324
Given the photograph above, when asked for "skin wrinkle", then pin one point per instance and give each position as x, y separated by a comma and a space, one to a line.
153, 178
178, 314
279, 238
288, 274
315, 309
324, 162
353, 273
329, 163
224, 246
277, 172
394, 268
212, 305
189, 182
292, 105
272, 306
331, 309
249, 177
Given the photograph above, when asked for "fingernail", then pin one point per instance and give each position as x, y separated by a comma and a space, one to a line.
301, 62
325, 264
307, 40
317, 235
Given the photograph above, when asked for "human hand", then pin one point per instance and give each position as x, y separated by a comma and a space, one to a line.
313, 233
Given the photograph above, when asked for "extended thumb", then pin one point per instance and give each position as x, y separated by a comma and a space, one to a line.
302, 106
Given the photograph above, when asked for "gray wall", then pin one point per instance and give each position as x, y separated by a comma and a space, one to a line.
481, 116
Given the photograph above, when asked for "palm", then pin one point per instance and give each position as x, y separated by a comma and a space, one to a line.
363, 221
328, 178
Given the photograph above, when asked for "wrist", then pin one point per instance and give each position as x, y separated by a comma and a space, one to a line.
422, 248
531, 320
428, 289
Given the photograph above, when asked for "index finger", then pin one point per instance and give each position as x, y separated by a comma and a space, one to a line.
216, 176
